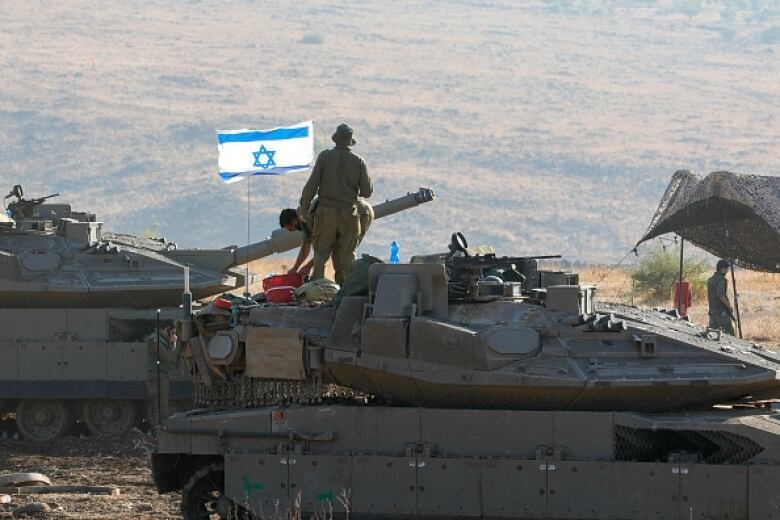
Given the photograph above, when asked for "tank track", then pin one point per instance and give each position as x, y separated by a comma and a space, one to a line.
220, 395
257, 392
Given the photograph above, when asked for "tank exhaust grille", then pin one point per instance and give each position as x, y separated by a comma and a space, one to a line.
707, 446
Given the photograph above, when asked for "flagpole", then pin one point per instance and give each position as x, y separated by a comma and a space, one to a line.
248, 236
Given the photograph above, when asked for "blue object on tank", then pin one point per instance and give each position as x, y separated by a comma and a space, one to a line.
394, 253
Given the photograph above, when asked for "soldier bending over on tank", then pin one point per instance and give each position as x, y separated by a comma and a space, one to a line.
288, 219
339, 177
720, 308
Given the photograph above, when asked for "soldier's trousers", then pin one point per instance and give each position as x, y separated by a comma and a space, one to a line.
336, 232
721, 320
162, 398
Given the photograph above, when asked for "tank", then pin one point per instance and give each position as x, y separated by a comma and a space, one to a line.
77, 305
468, 385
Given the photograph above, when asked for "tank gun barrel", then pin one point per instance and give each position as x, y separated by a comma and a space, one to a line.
282, 240
408, 201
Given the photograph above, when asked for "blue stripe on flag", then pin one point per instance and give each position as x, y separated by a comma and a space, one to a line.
271, 135
226, 176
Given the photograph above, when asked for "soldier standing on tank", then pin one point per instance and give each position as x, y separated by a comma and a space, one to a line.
339, 177
159, 394
720, 311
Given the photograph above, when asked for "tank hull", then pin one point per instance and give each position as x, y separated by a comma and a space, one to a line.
138, 297
395, 462
75, 358
553, 394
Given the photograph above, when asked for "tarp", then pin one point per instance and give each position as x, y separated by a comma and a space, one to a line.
733, 216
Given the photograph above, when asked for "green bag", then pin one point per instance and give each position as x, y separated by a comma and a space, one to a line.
356, 283
317, 291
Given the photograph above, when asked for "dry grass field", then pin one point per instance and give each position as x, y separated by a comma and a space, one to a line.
540, 124
759, 300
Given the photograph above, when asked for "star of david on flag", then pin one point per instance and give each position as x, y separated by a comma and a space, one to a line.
268, 153
286, 149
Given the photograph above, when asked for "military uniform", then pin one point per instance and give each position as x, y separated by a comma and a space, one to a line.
719, 314
365, 213
167, 360
339, 177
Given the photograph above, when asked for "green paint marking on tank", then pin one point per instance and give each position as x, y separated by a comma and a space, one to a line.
326, 496
250, 487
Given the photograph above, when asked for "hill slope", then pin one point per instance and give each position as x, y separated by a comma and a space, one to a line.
543, 127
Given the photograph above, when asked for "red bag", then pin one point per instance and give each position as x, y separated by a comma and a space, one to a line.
293, 280
281, 294
687, 297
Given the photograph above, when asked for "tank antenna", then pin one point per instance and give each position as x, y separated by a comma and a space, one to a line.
186, 323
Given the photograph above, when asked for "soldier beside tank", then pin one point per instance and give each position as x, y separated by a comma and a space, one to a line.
339, 177
720, 312
162, 357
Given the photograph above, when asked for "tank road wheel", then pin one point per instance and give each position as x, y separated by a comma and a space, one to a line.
203, 497
45, 420
104, 416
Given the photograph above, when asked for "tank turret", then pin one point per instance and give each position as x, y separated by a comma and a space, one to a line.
469, 385
52, 256
467, 330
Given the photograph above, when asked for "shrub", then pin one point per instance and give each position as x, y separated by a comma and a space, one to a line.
312, 39
657, 271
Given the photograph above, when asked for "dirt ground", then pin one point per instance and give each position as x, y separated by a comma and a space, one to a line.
122, 461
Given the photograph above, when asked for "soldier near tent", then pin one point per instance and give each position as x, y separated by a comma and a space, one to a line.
288, 219
338, 178
159, 390
720, 308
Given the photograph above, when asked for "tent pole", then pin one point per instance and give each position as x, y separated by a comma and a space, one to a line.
680, 283
731, 266
736, 299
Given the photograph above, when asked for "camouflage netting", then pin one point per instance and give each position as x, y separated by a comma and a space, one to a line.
731, 215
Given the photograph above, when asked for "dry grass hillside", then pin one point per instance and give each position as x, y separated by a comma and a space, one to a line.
551, 125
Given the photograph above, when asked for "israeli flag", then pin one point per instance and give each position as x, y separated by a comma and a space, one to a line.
287, 149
